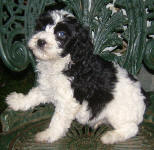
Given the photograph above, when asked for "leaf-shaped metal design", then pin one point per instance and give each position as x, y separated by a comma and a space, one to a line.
118, 28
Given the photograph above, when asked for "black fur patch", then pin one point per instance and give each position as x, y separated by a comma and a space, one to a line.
62, 27
44, 20
93, 78
94, 81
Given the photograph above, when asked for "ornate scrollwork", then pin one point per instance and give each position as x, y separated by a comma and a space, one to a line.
17, 20
13, 48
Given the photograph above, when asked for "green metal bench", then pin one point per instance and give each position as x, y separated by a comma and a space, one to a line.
122, 31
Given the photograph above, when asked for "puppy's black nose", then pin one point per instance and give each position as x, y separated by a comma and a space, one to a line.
41, 43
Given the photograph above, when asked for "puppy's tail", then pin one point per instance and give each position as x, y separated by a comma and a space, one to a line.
147, 100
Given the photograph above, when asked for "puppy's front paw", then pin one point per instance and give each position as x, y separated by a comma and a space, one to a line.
45, 136
14, 101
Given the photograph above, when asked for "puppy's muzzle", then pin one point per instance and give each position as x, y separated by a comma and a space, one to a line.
41, 43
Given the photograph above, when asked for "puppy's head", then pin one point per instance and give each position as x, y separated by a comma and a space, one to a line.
54, 32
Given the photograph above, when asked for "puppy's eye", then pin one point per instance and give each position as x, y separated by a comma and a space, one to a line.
61, 34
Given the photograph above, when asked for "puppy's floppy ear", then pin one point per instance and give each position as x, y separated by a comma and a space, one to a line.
79, 45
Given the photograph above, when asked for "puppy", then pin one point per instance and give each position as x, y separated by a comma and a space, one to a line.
81, 85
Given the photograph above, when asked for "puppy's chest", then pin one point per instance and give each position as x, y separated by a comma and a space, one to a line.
52, 80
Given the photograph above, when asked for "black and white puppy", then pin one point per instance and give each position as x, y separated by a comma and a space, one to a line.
81, 85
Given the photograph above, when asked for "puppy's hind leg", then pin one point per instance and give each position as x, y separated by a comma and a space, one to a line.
120, 134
